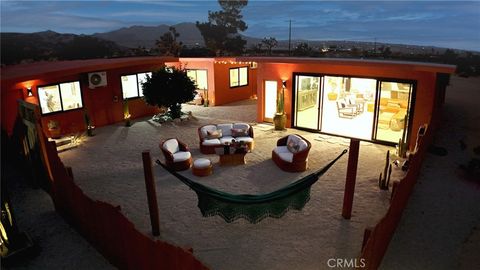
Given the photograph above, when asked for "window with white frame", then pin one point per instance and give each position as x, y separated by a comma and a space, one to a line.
132, 84
199, 76
238, 76
60, 97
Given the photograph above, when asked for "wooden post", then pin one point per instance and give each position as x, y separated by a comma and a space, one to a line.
351, 177
151, 193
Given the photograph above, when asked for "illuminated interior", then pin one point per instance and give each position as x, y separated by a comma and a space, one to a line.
270, 100
346, 106
307, 101
132, 84
394, 105
238, 76
60, 97
199, 76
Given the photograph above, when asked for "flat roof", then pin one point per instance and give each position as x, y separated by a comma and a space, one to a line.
418, 66
23, 72
29, 71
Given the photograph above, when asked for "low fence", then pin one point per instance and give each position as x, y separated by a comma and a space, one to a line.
107, 229
379, 237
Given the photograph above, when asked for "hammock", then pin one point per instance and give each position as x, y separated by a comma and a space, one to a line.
253, 208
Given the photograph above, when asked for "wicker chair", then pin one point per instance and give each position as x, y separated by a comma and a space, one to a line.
177, 155
289, 161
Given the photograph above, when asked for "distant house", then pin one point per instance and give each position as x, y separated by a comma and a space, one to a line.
365, 99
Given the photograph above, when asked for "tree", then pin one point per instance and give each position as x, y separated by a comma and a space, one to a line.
220, 33
302, 49
269, 44
168, 45
169, 87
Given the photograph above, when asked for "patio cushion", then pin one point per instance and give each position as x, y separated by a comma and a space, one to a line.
215, 134
239, 132
204, 130
297, 140
288, 157
226, 139
181, 156
171, 146
281, 149
226, 129
202, 163
211, 142
244, 139
244, 126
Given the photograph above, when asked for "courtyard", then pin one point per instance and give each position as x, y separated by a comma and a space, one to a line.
108, 167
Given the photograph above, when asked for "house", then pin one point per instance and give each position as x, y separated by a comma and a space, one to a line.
379, 101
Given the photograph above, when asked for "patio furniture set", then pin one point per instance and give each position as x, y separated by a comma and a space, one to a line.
231, 142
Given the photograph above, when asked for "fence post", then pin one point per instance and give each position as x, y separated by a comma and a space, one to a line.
151, 193
351, 178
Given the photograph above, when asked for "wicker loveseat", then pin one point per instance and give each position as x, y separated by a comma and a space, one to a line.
291, 153
213, 136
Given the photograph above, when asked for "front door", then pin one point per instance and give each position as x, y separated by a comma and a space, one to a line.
270, 105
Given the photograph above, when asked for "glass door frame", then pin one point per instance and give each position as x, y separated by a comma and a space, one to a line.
410, 112
266, 119
295, 104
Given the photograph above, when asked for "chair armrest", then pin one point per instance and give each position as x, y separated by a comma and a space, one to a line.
282, 141
182, 146
250, 132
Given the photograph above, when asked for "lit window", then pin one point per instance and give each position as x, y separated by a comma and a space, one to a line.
60, 97
238, 76
132, 84
199, 76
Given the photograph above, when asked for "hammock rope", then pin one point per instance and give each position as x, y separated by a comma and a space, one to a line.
256, 207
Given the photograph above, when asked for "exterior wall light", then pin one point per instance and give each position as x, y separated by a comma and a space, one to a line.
29, 91
284, 84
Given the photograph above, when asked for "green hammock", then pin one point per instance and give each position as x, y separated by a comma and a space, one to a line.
253, 208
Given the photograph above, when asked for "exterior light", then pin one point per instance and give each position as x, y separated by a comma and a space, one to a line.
29, 91
284, 84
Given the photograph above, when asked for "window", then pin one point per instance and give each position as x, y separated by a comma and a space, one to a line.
132, 84
199, 76
60, 97
238, 76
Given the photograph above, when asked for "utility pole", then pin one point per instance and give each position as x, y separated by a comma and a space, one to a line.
289, 36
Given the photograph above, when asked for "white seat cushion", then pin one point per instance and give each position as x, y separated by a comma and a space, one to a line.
203, 130
226, 129
181, 156
225, 139
244, 139
281, 149
288, 157
171, 145
202, 163
211, 142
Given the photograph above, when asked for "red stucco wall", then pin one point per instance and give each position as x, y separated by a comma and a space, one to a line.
425, 90
103, 104
223, 92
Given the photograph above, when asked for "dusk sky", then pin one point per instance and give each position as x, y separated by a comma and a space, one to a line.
439, 23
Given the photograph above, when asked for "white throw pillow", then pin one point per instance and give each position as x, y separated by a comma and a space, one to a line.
203, 130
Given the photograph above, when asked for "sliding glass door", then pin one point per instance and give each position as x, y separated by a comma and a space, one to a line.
393, 111
307, 101
362, 108
345, 106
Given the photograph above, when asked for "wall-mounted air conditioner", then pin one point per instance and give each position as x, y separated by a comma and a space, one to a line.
97, 79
